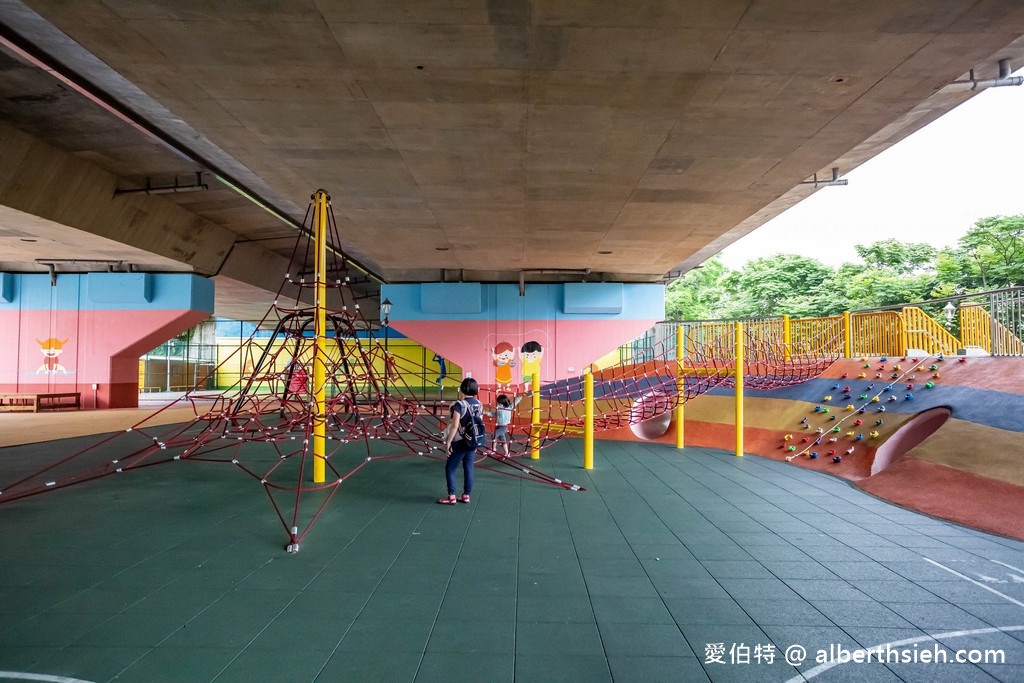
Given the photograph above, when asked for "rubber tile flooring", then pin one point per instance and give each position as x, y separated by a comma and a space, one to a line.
673, 565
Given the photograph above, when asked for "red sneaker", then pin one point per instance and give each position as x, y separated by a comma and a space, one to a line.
448, 500
464, 498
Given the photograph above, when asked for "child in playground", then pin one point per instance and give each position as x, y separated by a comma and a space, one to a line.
502, 419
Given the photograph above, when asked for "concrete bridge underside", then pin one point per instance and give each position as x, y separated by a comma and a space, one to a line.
477, 141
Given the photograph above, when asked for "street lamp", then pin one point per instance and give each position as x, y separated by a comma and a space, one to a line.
949, 309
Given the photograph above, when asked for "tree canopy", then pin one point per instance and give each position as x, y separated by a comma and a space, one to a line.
990, 255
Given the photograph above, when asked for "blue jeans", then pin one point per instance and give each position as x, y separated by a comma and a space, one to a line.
464, 456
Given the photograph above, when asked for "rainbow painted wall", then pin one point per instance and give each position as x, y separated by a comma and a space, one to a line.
502, 338
91, 328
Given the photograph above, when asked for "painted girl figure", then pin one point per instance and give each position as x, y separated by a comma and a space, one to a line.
503, 355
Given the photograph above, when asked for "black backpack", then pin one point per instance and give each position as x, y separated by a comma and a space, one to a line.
471, 424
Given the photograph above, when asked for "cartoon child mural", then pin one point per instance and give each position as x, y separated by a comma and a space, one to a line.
531, 353
503, 355
51, 348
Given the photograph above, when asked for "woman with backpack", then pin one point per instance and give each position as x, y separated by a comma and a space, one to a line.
464, 434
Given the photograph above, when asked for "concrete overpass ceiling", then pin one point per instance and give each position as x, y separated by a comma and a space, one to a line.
479, 139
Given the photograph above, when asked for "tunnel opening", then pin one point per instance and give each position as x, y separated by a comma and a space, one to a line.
907, 437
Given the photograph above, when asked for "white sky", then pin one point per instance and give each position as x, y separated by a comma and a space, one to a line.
931, 187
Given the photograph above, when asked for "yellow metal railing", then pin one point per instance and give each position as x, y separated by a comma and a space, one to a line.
818, 337
877, 334
922, 332
978, 328
883, 333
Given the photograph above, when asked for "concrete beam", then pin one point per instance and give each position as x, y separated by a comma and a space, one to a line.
68, 204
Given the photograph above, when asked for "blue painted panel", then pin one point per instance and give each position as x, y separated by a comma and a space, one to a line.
451, 298
593, 297
35, 293
436, 301
119, 288
6, 288
168, 291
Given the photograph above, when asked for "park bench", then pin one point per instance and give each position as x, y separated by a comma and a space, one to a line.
33, 403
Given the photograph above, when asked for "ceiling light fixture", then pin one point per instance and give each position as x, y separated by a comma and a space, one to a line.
1003, 79
836, 181
198, 186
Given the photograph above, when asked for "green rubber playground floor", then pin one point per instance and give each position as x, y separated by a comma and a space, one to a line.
673, 566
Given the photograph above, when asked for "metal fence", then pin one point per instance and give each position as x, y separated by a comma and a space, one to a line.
983, 323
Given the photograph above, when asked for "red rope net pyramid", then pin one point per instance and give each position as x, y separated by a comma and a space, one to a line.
263, 425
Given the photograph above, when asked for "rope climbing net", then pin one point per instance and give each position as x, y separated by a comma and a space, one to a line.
342, 392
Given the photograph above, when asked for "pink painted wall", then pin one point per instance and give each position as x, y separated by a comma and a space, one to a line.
569, 345
101, 324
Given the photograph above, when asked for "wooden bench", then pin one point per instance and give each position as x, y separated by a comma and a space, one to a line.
33, 403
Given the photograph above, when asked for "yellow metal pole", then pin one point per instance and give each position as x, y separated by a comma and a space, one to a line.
787, 338
847, 336
904, 333
535, 417
588, 420
320, 347
739, 374
680, 388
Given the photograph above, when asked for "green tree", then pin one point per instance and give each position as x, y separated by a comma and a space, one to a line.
775, 285
991, 254
698, 294
877, 288
898, 257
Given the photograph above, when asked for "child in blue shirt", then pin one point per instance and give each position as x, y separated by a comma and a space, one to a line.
502, 420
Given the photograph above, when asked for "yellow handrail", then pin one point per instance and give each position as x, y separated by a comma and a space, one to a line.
922, 332
978, 328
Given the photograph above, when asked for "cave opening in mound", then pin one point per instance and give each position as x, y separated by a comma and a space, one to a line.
907, 437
